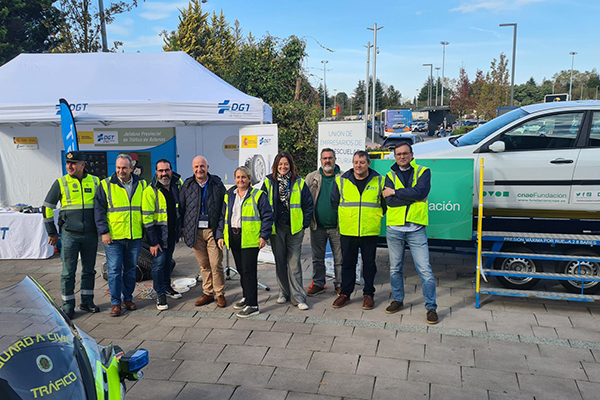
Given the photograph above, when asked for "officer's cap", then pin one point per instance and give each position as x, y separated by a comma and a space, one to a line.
75, 156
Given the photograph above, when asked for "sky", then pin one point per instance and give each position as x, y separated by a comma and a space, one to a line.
547, 31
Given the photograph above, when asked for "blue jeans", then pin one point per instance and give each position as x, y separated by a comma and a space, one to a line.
121, 259
417, 243
161, 269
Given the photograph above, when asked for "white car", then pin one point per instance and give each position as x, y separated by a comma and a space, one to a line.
543, 158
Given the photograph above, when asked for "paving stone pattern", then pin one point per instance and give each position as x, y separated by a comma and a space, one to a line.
510, 348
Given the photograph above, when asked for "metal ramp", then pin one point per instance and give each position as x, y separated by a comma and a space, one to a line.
498, 239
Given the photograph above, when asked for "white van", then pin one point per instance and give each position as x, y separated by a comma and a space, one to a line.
541, 160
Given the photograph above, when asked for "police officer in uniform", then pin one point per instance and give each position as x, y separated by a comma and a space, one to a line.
75, 192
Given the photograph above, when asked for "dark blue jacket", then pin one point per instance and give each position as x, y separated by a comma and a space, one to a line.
264, 209
409, 194
189, 206
158, 234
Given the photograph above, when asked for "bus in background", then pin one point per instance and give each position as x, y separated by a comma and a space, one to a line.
393, 121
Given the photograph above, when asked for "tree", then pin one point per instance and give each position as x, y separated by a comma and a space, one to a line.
461, 102
391, 97
210, 41
80, 30
26, 27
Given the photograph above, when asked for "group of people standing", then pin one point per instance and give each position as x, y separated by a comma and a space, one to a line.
344, 209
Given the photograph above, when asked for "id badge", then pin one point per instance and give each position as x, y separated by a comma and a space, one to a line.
203, 221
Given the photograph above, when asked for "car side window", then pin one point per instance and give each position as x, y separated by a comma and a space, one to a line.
557, 131
594, 140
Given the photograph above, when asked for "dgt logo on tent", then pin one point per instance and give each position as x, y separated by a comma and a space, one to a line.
233, 107
107, 138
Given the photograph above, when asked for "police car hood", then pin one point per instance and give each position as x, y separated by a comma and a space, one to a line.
38, 358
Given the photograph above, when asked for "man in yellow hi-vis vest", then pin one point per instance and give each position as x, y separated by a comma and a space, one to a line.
407, 186
160, 209
118, 212
360, 206
76, 192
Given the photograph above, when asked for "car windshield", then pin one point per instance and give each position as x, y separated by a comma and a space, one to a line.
37, 350
483, 131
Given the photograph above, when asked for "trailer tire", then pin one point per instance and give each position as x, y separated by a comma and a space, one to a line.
587, 268
517, 264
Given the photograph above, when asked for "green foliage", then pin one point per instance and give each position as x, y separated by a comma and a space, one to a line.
26, 27
268, 68
461, 101
80, 30
298, 125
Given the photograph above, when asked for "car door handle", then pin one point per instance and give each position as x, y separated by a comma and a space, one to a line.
561, 161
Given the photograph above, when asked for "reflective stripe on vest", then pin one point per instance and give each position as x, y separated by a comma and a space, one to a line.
77, 195
296, 215
251, 222
124, 217
360, 214
417, 212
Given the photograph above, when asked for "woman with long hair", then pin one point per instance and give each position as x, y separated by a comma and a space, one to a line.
292, 206
245, 227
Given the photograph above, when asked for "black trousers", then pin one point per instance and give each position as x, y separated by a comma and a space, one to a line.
246, 261
368, 249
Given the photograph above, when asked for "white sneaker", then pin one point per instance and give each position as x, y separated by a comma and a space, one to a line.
281, 300
302, 306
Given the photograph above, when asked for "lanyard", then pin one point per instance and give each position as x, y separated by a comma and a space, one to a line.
204, 197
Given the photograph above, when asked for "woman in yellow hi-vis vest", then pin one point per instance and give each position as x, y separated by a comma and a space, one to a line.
293, 207
245, 227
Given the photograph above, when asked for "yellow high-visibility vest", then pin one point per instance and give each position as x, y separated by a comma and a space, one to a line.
360, 214
251, 222
296, 215
124, 217
417, 212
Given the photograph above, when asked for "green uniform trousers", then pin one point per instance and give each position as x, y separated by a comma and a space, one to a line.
72, 245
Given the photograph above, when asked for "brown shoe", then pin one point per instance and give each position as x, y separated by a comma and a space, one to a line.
221, 302
394, 307
341, 301
129, 306
338, 290
368, 302
115, 311
205, 299
315, 290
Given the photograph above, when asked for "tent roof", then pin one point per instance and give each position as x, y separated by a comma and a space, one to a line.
168, 86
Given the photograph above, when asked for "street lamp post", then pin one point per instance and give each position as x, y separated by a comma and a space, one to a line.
573, 54
437, 79
374, 29
324, 62
366, 113
335, 102
444, 44
103, 26
429, 86
512, 75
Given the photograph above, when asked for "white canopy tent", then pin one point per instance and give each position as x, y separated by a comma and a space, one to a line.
137, 90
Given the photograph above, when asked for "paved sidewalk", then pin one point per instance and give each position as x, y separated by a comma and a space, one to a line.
510, 348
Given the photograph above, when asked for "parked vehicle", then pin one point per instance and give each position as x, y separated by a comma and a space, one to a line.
541, 166
393, 121
395, 139
53, 358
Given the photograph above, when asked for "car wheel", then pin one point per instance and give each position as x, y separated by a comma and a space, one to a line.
258, 168
519, 264
587, 268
